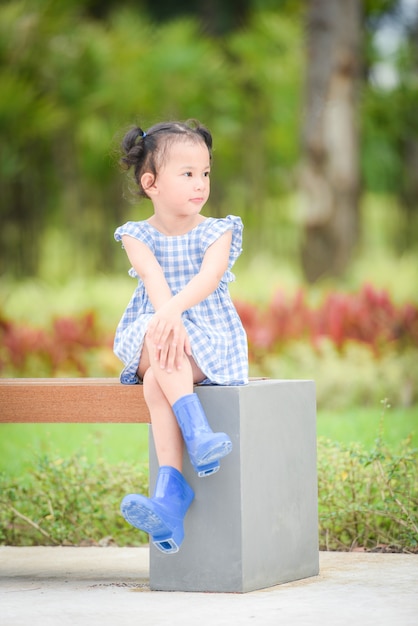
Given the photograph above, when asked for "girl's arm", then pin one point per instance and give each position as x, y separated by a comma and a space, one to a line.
168, 317
166, 328
149, 270
159, 293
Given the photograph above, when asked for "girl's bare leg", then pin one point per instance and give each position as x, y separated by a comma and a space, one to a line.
167, 435
166, 432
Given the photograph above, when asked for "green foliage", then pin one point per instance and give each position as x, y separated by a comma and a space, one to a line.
72, 85
349, 379
69, 502
367, 498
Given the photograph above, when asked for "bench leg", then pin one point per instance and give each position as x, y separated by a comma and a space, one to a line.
253, 524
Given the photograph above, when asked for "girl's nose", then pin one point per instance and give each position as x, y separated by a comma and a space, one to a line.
200, 182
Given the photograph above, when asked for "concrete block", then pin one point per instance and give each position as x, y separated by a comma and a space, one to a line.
254, 523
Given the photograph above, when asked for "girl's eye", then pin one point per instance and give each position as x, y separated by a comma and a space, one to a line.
187, 173
207, 174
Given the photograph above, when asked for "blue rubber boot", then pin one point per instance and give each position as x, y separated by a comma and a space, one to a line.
205, 447
162, 515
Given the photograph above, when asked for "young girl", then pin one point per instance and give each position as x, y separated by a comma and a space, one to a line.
180, 327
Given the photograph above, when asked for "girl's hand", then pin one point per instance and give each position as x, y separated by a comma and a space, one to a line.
167, 332
165, 322
171, 355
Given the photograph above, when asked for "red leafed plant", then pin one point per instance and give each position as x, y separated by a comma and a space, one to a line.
62, 348
369, 317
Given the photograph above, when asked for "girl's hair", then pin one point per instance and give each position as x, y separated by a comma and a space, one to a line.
145, 151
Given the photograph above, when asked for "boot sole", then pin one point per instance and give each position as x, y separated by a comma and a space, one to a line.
207, 461
137, 511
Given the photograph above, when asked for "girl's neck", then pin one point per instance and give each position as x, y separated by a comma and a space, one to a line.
174, 226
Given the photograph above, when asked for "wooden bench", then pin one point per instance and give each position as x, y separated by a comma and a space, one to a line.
71, 400
254, 523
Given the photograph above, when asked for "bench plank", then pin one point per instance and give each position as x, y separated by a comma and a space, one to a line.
71, 400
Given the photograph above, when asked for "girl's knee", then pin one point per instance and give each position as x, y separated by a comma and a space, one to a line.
153, 393
148, 344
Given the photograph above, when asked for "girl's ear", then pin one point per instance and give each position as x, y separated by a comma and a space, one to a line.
148, 183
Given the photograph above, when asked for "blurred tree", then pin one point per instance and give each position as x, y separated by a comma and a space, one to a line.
74, 73
409, 142
217, 16
70, 84
330, 176
265, 60
389, 112
30, 117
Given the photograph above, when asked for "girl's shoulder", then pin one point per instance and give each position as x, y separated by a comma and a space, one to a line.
213, 228
227, 222
219, 225
138, 230
206, 232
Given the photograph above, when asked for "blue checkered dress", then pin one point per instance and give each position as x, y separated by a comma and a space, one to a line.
216, 334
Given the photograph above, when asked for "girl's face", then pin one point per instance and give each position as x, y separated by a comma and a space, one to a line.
182, 185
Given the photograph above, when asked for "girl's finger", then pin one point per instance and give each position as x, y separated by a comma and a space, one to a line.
163, 356
187, 346
171, 358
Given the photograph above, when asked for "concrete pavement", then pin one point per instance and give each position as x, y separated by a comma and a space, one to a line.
44, 586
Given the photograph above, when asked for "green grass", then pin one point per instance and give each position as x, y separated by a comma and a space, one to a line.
21, 443
365, 425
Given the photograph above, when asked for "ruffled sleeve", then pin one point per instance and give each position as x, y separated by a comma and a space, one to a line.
216, 228
138, 230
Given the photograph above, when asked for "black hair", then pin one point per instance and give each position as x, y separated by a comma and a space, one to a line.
144, 151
